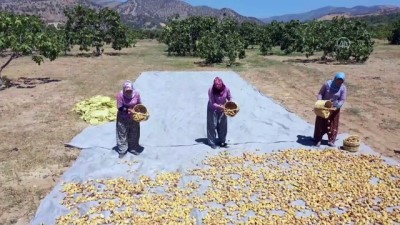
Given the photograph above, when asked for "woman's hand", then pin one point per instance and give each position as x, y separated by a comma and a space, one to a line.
130, 111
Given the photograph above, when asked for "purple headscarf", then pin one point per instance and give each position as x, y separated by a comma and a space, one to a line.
128, 85
218, 86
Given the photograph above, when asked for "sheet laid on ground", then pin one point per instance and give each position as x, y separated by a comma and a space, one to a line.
173, 137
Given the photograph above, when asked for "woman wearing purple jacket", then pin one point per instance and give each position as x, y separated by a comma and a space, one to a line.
335, 91
128, 130
217, 122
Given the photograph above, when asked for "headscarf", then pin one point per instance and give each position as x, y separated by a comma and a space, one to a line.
218, 82
332, 84
127, 86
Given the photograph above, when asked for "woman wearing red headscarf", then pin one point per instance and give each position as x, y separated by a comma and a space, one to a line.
217, 122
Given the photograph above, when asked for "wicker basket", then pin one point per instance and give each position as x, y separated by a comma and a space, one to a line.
350, 149
140, 113
351, 143
231, 108
352, 140
323, 108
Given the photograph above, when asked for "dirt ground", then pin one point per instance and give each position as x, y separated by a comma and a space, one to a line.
36, 118
372, 109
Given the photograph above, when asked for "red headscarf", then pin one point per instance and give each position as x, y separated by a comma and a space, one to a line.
218, 86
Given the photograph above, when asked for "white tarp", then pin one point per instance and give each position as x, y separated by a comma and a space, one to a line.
173, 137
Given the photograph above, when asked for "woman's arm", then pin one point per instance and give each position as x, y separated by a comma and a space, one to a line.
342, 98
139, 99
212, 99
228, 95
120, 103
321, 92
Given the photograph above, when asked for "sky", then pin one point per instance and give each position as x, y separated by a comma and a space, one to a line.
268, 8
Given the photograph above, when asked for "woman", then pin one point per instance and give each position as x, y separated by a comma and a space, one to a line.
217, 122
335, 91
128, 130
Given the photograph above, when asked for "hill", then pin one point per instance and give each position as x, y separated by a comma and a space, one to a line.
327, 13
137, 13
107, 3
155, 13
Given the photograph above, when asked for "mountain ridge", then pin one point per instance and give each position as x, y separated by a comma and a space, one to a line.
155, 13
324, 12
136, 13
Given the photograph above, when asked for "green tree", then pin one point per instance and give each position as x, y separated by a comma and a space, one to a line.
322, 36
276, 31
114, 32
271, 35
394, 37
361, 43
79, 28
148, 33
91, 29
176, 36
206, 37
316, 34
210, 47
250, 32
292, 38
182, 36
25, 35
197, 26
222, 41
265, 40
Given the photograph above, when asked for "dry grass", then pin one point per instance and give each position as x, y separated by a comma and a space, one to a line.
35, 122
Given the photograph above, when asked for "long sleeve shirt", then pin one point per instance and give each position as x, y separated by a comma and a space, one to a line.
337, 98
129, 103
218, 99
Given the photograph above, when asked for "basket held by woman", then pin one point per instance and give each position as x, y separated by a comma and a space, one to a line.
351, 143
140, 113
323, 108
231, 108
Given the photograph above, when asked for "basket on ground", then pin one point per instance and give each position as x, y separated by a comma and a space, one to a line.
351, 143
231, 108
140, 113
323, 108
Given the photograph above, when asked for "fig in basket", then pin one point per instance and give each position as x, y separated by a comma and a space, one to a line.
333, 93
328, 104
140, 113
231, 108
217, 122
351, 143
128, 130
